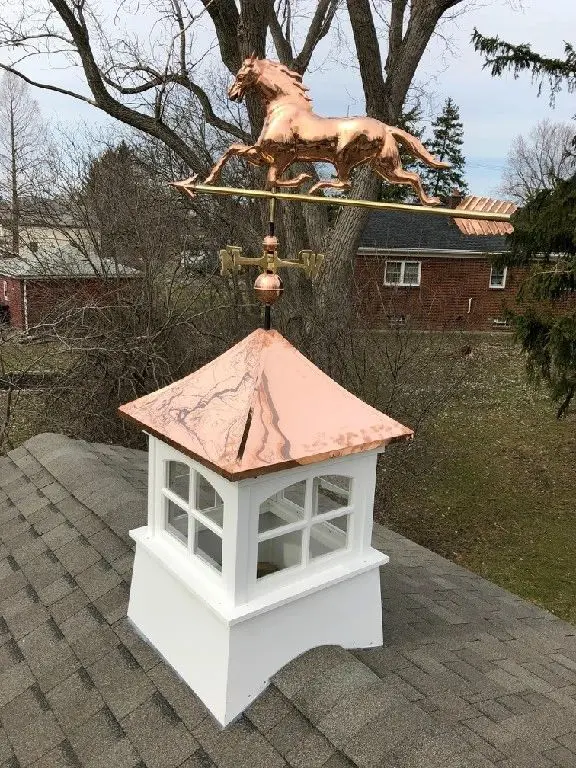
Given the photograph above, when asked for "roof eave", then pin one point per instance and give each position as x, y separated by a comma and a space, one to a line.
257, 471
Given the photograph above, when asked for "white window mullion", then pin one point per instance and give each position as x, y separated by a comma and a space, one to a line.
176, 499
206, 522
281, 530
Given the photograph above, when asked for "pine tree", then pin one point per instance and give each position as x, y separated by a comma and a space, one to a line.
446, 144
545, 238
505, 57
410, 121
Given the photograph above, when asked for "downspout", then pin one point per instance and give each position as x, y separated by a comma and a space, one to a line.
25, 302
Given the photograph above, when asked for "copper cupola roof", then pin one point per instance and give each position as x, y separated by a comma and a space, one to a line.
261, 407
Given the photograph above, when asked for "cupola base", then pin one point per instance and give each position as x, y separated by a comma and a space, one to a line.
227, 654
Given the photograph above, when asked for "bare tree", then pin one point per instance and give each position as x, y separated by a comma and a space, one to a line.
540, 161
134, 79
21, 146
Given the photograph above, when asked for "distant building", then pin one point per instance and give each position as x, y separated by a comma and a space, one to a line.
42, 223
436, 272
41, 279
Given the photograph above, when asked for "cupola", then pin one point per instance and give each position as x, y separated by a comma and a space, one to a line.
257, 547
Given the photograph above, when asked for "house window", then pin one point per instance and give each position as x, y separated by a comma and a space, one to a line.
193, 513
304, 522
402, 273
498, 277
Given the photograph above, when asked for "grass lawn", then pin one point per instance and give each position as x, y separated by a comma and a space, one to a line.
31, 356
497, 489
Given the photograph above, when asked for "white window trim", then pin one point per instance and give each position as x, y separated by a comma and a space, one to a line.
401, 282
498, 287
305, 525
164, 494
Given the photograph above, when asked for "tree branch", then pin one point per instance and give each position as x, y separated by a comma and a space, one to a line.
318, 29
368, 51
226, 20
47, 86
105, 101
283, 48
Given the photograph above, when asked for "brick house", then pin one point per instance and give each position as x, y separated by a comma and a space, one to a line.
39, 281
435, 272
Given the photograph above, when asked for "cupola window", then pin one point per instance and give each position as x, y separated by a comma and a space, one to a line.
304, 522
194, 513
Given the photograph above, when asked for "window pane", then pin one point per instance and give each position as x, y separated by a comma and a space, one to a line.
295, 493
411, 273
280, 552
283, 508
208, 500
179, 479
497, 277
176, 521
393, 271
330, 492
329, 536
207, 545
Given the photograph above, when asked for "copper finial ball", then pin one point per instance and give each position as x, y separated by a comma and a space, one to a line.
268, 287
270, 243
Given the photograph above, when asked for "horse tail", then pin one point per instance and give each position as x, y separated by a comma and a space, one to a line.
416, 148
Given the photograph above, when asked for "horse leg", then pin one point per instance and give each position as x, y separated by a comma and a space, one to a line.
395, 174
252, 154
342, 182
277, 169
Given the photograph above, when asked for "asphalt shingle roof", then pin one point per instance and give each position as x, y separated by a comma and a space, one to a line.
61, 261
398, 229
469, 676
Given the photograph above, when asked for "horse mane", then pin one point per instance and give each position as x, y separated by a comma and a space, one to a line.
280, 72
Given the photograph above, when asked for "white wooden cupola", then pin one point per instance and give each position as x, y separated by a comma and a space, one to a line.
257, 547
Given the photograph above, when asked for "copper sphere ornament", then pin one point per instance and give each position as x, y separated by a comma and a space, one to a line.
270, 243
268, 287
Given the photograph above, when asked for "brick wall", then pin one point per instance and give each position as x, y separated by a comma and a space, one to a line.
453, 293
47, 299
13, 300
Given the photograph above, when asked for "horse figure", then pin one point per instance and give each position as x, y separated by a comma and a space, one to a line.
292, 133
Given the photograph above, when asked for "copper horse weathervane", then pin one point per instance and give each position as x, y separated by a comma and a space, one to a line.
292, 132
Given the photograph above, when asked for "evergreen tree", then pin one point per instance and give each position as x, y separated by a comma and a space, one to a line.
446, 144
544, 237
505, 57
410, 121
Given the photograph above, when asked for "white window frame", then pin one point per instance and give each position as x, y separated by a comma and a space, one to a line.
504, 278
5, 289
401, 282
194, 515
306, 523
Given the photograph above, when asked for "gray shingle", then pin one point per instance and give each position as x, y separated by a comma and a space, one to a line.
158, 734
393, 229
469, 677
121, 681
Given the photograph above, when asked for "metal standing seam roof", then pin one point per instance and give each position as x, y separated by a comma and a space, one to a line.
260, 407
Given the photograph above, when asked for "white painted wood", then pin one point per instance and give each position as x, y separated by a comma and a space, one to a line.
228, 662
226, 633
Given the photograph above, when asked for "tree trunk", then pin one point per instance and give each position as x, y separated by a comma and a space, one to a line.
15, 214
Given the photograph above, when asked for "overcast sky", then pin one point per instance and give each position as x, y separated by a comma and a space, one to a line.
493, 111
